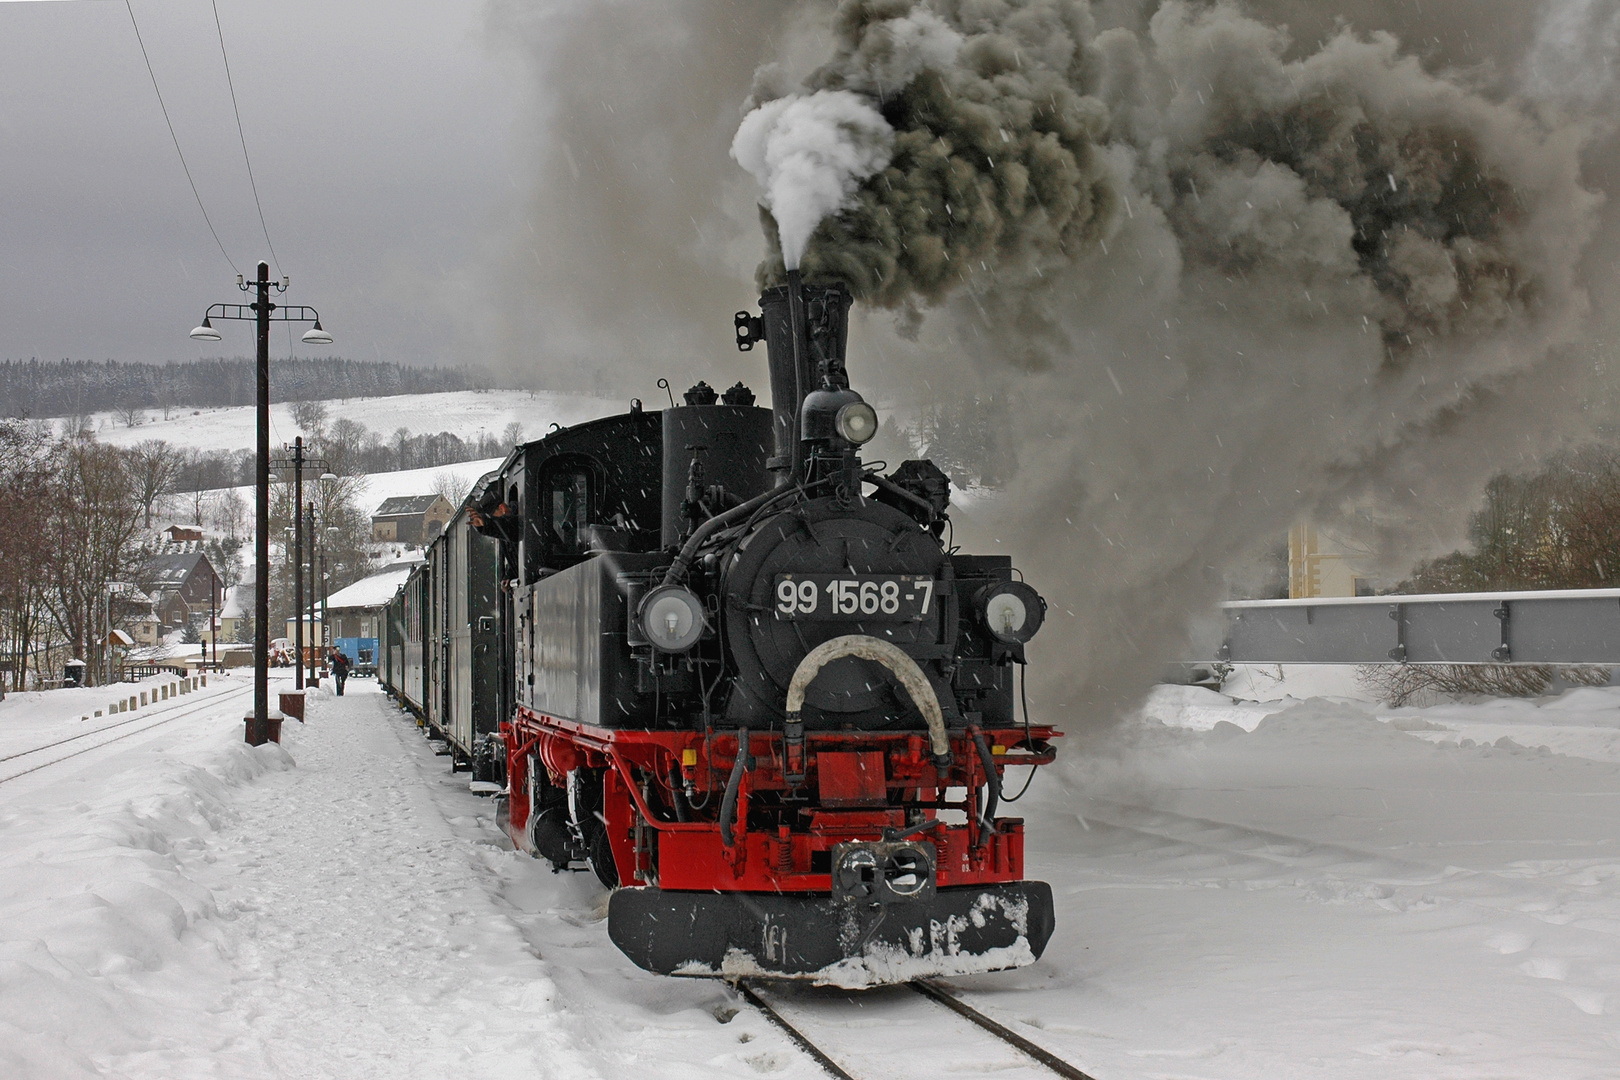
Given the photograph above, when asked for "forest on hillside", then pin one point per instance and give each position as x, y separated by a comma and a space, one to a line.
50, 388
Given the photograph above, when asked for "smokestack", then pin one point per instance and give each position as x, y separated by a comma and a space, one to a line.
806, 330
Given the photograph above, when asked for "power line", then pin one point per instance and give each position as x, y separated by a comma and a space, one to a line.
243, 136
130, 8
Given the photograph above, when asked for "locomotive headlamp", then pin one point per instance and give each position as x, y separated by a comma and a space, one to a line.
1011, 611
857, 422
671, 618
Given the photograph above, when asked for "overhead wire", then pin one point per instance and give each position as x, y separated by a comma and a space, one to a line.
128, 6
254, 184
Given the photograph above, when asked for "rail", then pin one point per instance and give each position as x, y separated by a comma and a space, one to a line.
933, 991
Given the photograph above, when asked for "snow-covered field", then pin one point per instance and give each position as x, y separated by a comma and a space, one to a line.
466, 413
1316, 888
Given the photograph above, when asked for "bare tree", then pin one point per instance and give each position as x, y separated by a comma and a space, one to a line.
24, 556
1557, 528
344, 530
513, 435
342, 443
132, 415
310, 416
452, 487
1398, 685
197, 499
153, 465
93, 520
230, 514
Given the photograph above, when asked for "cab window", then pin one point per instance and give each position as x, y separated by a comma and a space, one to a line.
568, 509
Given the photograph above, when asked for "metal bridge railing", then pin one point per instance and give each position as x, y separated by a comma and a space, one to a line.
1572, 626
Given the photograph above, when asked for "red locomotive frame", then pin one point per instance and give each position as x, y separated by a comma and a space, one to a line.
855, 801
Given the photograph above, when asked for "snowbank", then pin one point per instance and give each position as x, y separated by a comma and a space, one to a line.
1313, 886
92, 891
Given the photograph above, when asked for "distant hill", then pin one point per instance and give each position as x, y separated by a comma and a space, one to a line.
35, 388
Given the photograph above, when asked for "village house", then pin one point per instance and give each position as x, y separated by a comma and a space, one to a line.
411, 519
236, 612
181, 586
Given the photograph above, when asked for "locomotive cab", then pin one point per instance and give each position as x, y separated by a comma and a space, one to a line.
753, 690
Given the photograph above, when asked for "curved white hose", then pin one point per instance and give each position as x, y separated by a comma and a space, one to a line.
891, 656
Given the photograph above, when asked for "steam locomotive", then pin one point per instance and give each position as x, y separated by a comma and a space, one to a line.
711, 656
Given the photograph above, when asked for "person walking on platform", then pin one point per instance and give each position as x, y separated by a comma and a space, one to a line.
340, 669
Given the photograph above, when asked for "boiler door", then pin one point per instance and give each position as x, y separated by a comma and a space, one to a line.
820, 572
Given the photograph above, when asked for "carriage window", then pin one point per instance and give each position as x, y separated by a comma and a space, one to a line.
568, 493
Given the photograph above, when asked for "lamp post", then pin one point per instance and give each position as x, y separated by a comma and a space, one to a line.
261, 310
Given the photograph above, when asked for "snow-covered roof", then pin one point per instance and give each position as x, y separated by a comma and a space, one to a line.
170, 571
371, 592
238, 598
400, 555
406, 505
166, 651
127, 593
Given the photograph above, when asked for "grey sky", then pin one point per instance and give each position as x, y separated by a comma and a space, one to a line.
380, 135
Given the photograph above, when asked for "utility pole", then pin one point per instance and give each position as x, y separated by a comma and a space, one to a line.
213, 619
298, 561
261, 308
323, 596
297, 463
314, 653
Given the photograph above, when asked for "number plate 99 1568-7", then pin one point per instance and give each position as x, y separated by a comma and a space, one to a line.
861, 597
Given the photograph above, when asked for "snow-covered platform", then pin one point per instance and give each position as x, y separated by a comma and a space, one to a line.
1289, 888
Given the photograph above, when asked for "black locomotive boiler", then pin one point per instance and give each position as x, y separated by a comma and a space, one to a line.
739, 676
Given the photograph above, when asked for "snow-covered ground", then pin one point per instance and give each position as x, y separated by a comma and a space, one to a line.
466, 413
1300, 888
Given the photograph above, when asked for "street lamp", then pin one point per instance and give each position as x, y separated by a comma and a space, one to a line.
261, 312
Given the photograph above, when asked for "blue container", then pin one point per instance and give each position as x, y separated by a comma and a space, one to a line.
362, 654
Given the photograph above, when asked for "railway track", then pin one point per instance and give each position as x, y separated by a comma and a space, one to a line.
1030, 1058
156, 721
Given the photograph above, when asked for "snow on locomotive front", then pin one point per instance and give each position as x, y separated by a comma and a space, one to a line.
778, 721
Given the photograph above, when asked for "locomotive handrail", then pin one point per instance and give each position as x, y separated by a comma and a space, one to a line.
891, 656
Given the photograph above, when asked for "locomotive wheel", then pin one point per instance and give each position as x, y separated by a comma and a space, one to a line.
548, 832
585, 806
601, 858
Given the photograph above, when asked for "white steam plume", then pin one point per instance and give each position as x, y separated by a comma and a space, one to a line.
809, 154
